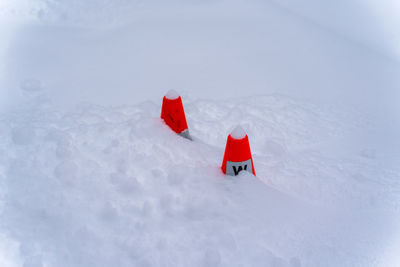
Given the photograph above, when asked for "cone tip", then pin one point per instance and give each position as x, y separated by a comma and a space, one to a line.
238, 133
172, 94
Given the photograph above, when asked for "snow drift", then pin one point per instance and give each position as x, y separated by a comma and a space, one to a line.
90, 175
101, 186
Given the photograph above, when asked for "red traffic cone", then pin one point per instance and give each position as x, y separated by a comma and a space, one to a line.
173, 114
237, 155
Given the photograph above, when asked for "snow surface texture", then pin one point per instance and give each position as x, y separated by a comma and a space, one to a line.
108, 184
123, 52
102, 186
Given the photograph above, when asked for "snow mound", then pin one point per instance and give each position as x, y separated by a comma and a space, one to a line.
172, 94
238, 133
101, 186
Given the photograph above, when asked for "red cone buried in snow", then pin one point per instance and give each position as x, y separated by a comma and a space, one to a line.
173, 114
237, 155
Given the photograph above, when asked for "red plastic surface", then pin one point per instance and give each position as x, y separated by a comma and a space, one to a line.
173, 114
237, 150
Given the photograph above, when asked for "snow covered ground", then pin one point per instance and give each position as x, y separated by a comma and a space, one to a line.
90, 175
121, 52
104, 186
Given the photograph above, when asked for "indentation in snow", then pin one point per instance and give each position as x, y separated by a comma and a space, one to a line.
23, 135
31, 85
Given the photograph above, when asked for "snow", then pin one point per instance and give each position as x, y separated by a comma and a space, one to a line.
98, 186
122, 52
31, 85
172, 94
238, 133
91, 176
9, 252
